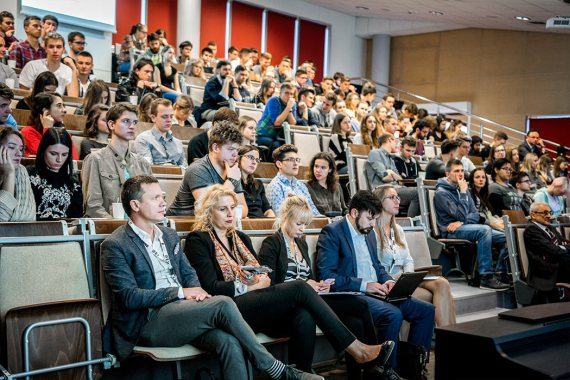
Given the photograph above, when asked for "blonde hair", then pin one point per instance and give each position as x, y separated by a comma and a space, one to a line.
294, 209
380, 193
205, 204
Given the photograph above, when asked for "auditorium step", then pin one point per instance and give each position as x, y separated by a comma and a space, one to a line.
469, 300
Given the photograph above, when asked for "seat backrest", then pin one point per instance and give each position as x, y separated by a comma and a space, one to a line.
21, 116
308, 145
74, 122
429, 151
43, 228
325, 140
431, 213
35, 274
359, 149
404, 221
521, 250
253, 113
418, 247
516, 216
170, 187
197, 95
361, 179
311, 240
477, 161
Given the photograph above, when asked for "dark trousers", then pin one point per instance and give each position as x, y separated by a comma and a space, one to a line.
354, 312
215, 325
293, 309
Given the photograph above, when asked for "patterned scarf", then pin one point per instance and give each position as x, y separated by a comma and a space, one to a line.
229, 266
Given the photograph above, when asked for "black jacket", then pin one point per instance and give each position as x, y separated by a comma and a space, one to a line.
273, 253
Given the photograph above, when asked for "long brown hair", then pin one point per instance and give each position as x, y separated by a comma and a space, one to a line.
94, 94
241, 153
332, 177
371, 140
380, 192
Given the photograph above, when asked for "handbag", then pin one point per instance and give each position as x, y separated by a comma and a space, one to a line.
412, 361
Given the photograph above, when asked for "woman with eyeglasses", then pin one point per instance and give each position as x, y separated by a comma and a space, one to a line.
48, 111
395, 256
502, 195
217, 251
257, 204
497, 151
17, 202
323, 185
286, 252
56, 188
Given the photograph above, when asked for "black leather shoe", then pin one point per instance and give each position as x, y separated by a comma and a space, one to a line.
390, 374
291, 373
386, 350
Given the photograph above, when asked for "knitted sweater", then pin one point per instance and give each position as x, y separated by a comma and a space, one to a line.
20, 206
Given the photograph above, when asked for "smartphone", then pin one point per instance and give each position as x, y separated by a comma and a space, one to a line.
329, 281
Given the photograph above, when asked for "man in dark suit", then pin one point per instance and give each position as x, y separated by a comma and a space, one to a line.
548, 255
217, 93
532, 144
157, 298
347, 253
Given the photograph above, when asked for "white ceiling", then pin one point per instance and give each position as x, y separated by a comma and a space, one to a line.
457, 14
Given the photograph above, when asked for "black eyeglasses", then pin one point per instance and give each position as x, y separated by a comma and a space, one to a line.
252, 158
292, 159
393, 198
547, 212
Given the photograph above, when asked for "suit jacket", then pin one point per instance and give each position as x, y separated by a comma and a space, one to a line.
130, 275
201, 252
544, 255
273, 253
336, 257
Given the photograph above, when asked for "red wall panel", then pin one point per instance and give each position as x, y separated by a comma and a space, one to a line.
553, 129
213, 25
312, 45
246, 26
128, 14
163, 14
280, 36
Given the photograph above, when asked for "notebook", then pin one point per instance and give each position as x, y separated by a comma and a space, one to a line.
404, 287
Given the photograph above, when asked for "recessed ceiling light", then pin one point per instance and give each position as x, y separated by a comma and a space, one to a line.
522, 18
412, 12
437, 13
362, 8
386, 10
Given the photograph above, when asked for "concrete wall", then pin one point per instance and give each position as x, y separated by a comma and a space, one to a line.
505, 74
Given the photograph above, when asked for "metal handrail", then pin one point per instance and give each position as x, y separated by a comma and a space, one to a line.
518, 135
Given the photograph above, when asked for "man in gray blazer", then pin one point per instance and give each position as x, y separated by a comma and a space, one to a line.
157, 298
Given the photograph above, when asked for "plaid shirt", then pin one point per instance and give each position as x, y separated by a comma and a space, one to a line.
25, 53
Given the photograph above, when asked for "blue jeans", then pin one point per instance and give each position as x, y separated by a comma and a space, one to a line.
485, 237
500, 242
388, 318
269, 142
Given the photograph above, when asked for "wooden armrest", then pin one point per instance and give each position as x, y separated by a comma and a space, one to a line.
433, 270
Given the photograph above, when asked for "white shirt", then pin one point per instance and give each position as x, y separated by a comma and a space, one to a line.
163, 272
34, 68
364, 268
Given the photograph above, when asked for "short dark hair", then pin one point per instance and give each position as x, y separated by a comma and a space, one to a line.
29, 19
279, 153
452, 162
365, 200
305, 90
244, 51
50, 18
239, 69
501, 135
409, 141
118, 109
232, 49
206, 50
384, 137
71, 36
519, 177
368, 89
448, 145
226, 114
331, 96
497, 165
300, 72
211, 43
6, 92
85, 54
224, 132
132, 190
531, 131
476, 139
184, 44
152, 37
6, 14
421, 124
221, 63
